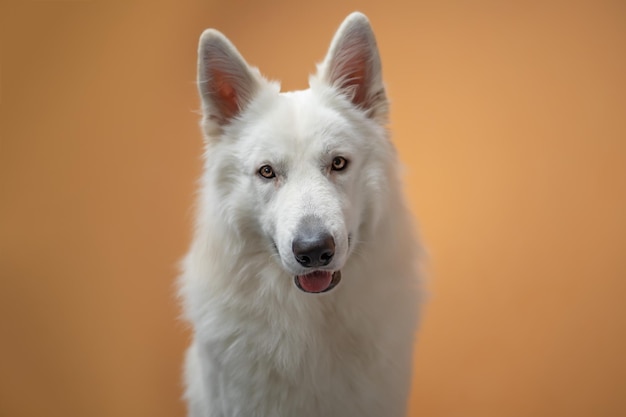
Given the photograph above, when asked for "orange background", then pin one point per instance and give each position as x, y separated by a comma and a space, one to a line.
510, 118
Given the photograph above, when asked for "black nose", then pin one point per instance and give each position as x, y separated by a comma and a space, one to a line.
313, 250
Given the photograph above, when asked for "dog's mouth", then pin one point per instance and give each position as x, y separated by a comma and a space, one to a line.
318, 281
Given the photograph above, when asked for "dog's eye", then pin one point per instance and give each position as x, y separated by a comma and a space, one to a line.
267, 171
339, 163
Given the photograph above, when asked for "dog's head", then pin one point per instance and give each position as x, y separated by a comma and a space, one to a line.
300, 171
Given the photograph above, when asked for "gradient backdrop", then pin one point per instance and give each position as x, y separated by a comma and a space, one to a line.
509, 116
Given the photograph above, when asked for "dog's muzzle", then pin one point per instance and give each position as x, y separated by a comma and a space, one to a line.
314, 247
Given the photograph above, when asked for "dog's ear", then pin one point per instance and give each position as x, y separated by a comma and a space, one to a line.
225, 81
353, 66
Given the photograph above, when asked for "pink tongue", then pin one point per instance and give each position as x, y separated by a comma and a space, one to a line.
316, 281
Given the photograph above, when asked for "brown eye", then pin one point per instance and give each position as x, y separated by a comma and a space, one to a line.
339, 163
267, 171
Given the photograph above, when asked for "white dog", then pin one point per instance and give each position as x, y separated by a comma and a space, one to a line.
301, 283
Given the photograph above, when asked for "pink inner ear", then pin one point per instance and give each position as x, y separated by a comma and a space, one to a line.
355, 80
225, 95
350, 69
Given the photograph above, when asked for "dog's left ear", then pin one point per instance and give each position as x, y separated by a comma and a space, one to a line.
352, 65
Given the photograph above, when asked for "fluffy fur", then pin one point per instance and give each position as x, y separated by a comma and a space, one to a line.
261, 345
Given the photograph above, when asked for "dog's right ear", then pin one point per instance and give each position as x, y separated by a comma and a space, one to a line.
225, 81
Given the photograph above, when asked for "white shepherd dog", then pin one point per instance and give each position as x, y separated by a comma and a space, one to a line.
301, 283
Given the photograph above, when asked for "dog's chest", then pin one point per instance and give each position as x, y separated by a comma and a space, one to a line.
309, 368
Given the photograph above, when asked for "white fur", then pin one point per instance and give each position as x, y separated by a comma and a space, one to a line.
261, 346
